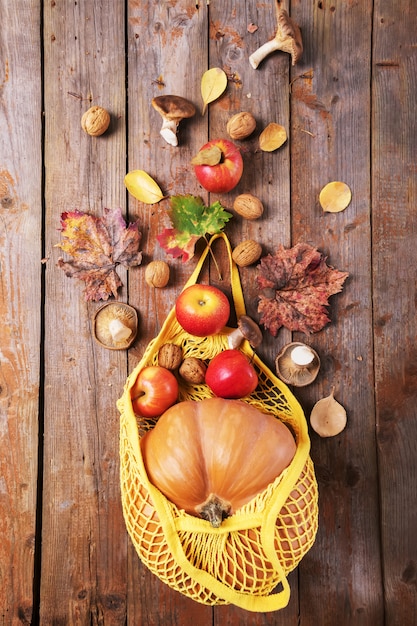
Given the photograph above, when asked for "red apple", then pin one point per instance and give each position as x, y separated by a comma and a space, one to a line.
202, 310
226, 174
231, 375
154, 391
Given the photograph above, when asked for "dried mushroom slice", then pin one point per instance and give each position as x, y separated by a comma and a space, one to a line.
115, 325
297, 364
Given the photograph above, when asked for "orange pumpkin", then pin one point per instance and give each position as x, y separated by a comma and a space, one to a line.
211, 457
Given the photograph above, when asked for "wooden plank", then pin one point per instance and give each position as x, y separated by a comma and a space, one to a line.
83, 535
20, 303
340, 579
167, 54
394, 185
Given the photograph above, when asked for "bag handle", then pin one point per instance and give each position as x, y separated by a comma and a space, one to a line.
237, 293
247, 601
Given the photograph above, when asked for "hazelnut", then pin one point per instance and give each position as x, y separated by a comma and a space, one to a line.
247, 253
95, 121
170, 356
248, 206
157, 274
193, 370
241, 125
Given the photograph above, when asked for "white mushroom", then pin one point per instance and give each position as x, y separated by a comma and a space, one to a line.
287, 38
172, 109
297, 364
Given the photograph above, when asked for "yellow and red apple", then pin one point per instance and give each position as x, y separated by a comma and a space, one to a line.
154, 391
202, 310
224, 175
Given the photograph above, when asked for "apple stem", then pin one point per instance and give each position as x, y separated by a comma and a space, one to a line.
213, 257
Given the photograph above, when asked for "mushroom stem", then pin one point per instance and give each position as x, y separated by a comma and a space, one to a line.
119, 331
261, 53
287, 38
235, 339
169, 131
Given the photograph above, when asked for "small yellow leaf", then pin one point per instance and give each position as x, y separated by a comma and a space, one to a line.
272, 137
213, 84
143, 187
335, 197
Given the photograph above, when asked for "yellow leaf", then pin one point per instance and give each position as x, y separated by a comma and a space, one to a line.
335, 197
213, 84
272, 137
143, 187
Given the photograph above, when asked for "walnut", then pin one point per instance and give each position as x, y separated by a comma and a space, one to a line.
95, 121
157, 274
193, 370
241, 125
248, 206
170, 356
247, 253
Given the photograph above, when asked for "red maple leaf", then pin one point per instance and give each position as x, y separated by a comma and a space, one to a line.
295, 285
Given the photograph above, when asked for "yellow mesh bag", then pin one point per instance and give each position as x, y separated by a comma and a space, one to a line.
244, 562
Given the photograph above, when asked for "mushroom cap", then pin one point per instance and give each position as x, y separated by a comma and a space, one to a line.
173, 107
293, 374
125, 313
289, 34
250, 330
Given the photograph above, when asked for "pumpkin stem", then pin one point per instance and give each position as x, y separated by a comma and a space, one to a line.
214, 510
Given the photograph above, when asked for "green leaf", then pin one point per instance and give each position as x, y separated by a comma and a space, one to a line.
191, 219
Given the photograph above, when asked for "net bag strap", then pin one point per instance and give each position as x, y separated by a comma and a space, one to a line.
237, 292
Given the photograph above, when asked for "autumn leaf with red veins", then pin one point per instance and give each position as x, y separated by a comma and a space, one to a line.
295, 285
97, 245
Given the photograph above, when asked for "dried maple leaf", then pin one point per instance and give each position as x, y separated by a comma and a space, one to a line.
295, 285
191, 220
98, 245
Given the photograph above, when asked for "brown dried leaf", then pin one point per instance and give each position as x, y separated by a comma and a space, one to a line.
295, 285
98, 245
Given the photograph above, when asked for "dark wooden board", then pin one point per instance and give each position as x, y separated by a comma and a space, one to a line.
348, 108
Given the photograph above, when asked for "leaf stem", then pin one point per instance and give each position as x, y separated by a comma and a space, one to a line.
213, 257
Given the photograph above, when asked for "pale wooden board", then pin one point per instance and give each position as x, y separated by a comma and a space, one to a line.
84, 549
20, 303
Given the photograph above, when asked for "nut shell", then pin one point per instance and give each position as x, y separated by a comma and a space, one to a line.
247, 253
170, 356
193, 370
95, 121
241, 125
157, 274
248, 206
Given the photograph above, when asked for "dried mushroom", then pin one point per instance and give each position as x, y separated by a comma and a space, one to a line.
297, 364
115, 325
328, 417
247, 329
172, 109
287, 38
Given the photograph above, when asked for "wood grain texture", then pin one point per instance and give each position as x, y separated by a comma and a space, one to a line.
349, 111
394, 157
20, 303
83, 544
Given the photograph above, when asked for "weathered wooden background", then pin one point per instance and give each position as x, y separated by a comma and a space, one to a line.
350, 111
